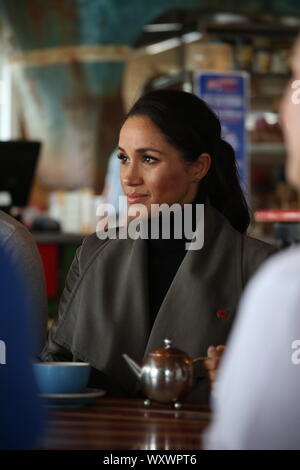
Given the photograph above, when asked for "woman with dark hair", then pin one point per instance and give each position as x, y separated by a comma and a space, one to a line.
125, 295
193, 128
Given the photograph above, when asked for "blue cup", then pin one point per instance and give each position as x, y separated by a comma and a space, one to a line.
61, 377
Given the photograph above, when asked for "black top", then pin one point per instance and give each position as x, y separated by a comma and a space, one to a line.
164, 259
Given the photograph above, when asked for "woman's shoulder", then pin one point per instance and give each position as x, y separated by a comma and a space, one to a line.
254, 245
254, 253
95, 243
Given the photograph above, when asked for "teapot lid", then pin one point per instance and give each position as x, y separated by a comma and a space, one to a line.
169, 351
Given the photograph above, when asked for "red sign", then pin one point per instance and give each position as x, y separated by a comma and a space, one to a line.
279, 215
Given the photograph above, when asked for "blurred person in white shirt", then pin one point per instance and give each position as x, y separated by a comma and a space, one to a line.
256, 402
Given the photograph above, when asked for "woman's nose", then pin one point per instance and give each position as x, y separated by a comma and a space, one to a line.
131, 175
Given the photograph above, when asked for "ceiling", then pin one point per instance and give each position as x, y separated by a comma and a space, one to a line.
178, 22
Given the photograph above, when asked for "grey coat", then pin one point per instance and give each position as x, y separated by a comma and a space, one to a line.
104, 308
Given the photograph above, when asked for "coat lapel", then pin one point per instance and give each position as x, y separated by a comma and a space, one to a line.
207, 280
106, 319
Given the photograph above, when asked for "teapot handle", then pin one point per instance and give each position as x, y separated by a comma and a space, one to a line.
199, 358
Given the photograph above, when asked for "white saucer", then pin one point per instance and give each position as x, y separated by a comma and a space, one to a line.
71, 400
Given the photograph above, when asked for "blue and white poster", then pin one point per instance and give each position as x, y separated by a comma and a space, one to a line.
227, 95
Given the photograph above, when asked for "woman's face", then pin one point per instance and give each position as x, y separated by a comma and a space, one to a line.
152, 171
290, 119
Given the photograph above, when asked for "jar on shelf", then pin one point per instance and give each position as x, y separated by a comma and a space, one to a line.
243, 53
262, 56
279, 61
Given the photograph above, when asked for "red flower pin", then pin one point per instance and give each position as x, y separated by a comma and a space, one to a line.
222, 313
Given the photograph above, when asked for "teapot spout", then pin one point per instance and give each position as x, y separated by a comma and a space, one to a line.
135, 366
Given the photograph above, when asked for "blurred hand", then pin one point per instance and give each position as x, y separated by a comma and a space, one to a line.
211, 365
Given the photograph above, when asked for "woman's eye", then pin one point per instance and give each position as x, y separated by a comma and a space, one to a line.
150, 159
146, 158
122, 157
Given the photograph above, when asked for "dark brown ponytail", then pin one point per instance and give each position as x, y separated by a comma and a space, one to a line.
221, 186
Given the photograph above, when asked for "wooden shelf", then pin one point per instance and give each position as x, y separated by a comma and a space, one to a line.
267, 148
250, 28
270, 75
267, 153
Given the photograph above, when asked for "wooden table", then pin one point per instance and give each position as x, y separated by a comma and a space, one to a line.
118, 424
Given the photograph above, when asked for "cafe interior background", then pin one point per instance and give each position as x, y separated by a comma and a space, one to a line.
71, 69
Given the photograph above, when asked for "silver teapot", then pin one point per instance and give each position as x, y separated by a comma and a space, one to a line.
166, 375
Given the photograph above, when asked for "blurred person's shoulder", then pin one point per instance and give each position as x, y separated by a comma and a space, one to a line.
283, 266
277, 280
10, 226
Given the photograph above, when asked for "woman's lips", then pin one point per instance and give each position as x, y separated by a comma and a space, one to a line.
136, 197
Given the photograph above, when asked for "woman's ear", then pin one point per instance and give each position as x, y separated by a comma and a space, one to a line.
201, 166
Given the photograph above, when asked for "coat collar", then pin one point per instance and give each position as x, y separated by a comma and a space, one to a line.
103, 321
